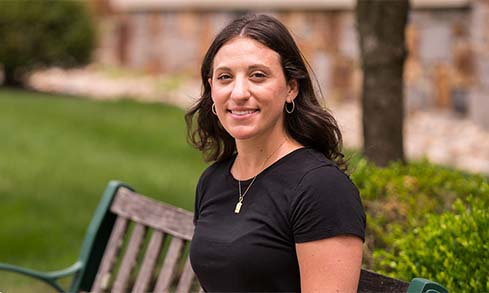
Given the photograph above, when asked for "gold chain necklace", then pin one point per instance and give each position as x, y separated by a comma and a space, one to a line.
242, 195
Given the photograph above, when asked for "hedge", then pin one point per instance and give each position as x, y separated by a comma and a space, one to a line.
40, 33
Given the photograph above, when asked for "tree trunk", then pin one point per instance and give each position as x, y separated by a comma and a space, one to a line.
11, 77
381, 27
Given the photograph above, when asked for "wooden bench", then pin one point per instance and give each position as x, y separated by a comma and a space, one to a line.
137, 244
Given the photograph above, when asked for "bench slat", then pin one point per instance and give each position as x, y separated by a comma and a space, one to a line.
152, 213
115, 242
185, 282
149, 262
371, 282
168, 268
129, 260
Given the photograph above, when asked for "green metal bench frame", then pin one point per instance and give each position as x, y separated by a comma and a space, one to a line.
85, 269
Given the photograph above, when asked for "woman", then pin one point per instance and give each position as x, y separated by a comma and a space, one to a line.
275, 212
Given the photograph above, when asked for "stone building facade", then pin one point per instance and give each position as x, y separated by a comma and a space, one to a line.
479, 96
448, 43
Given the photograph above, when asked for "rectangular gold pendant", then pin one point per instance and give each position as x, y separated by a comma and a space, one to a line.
238, 208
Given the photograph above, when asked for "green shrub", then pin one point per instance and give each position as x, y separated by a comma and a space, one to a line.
451, 248
398, 197
43, 33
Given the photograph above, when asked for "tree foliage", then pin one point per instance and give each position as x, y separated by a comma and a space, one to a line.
40, 33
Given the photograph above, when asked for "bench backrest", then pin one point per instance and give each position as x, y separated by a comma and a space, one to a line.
371, 282
137, 244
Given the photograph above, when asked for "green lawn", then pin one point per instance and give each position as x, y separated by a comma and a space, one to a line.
56, 156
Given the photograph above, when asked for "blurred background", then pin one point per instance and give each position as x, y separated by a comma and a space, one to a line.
96, 90
162, 42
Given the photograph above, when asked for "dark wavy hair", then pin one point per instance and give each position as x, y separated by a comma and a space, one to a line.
310, 124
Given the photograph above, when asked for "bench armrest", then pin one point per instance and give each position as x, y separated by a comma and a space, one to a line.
49, 278
420, 285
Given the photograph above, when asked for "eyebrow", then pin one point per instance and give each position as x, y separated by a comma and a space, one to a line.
253, 66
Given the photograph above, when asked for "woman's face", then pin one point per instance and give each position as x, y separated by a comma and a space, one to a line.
249, 90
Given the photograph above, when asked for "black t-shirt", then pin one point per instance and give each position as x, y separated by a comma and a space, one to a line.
301, 197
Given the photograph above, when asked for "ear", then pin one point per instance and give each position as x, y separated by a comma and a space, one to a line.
293, 90
209, 80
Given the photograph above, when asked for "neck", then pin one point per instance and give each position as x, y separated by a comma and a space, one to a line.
253, 157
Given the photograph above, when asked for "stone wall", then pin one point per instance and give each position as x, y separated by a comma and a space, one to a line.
443, 70
479, 102
439, 70
175, 42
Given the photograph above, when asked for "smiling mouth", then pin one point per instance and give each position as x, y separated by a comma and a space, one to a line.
242, 112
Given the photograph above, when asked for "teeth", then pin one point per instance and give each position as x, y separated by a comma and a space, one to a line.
243, 112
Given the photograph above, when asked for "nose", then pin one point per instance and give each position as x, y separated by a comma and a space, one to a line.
240, 89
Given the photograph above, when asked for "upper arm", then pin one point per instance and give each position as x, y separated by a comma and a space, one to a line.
329, 226
330, 264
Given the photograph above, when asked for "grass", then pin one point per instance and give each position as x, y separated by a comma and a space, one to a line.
56, 156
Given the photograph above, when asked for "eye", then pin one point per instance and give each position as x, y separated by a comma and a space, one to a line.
224, 76
258, 75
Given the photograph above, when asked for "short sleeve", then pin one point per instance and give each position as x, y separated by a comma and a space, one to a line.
327, 204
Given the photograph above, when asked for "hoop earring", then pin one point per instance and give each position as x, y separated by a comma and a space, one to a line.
287, 108
213, 109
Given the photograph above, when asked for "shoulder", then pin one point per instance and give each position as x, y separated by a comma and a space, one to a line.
310, 158
314, 167
305, 163
327, 178
324, 180
215, 172
325, 203
306, 166
327, 184
312, 177
215, 169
